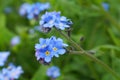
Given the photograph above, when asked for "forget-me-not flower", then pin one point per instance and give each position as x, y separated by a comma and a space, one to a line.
11, 72
36, 8
46, 49
33, 10
105, 6
57, 46
53, 72
3, 57
24, 8
8, 10
15, 40
54, 19
43, 50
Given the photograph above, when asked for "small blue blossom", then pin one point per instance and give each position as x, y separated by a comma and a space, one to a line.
43, 50
46, 49
105, 6
54, 19
57, 46
3, 57
36, 9
24, 8
11, 72
8, 10
15, 40
32, 11
53, 72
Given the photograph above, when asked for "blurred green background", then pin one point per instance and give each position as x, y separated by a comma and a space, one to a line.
100, 29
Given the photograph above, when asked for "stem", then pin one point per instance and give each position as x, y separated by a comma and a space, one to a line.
106, 67
71, 41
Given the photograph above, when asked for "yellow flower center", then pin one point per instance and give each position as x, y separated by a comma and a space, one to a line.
47, 53
55, 49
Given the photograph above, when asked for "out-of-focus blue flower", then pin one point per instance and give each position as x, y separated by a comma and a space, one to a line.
53, 19
10, 73
3, 57
36, 9
105, 6
33, 10
15, 40
8, 10
24, 8
44, 6
53, 72
47, 48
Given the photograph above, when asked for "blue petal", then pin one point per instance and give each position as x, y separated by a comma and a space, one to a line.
47, 59
37, 46
61, 51
56, 55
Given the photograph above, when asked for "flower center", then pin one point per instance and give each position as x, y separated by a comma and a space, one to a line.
47, 53
55, 49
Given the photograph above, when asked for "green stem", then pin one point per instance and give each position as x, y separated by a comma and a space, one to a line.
106, 67
71, 41
90, 56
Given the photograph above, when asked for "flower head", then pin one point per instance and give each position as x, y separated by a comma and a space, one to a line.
15, 40
8, 10
12, 72
53, 72
33, 10
54, 19
57, 46
24, 8
3, 57
47, 48
105, 6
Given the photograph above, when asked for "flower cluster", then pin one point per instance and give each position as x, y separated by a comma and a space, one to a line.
54, 19
3, 57
33, 10
53, 72
11, 73
48, 48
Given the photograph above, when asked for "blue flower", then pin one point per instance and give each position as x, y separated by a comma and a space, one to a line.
15, 40
53, 19
3, 57
11, 72
58, 46
105, 6
24, 8
36, 8
53, 72
44, 6
46, 49
33, 10
8, 10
